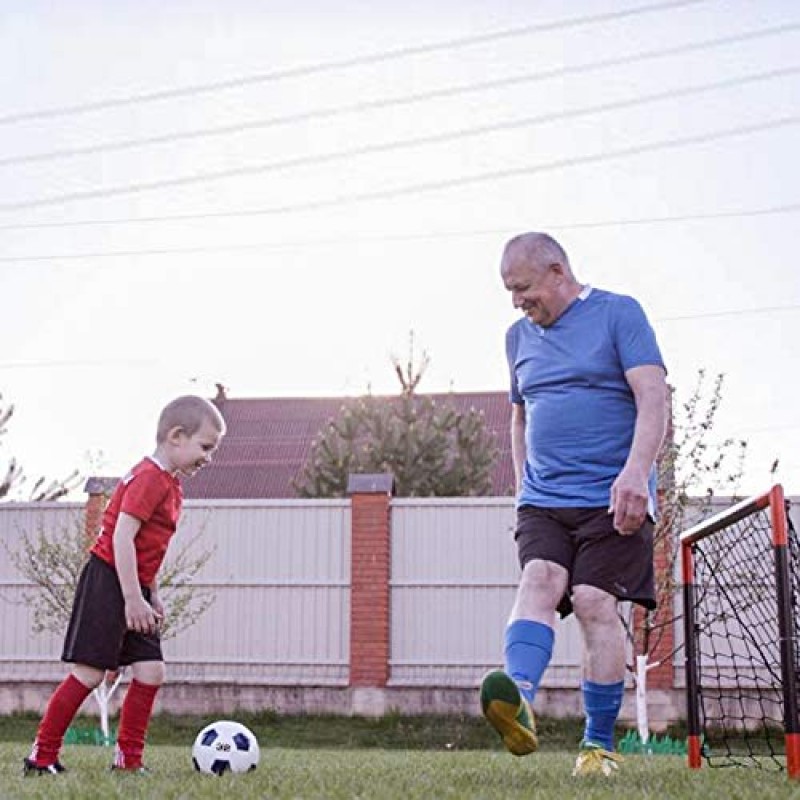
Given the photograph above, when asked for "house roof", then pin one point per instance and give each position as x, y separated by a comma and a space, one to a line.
269, 439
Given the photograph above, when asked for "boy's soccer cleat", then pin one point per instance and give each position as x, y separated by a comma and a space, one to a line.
31, 768
140, 770
509, 713
595, 760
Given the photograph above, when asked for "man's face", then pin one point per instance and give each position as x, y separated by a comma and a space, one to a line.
535, 289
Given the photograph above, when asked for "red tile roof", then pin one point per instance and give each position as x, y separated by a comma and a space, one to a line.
269, 439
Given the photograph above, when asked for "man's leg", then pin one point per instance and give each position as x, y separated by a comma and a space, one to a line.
530, 632
506, 695
603, 676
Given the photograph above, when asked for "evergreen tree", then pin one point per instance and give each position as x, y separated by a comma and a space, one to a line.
430, 448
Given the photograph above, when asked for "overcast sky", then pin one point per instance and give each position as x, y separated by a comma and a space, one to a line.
271, 195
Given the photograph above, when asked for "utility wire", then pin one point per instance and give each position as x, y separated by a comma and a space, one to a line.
446, 184
731, 313
380, 103
397, 144
330, 66
9, 365
382, 239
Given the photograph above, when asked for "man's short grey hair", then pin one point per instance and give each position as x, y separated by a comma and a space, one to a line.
540, 249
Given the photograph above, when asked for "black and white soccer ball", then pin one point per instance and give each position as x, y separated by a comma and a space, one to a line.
225, 746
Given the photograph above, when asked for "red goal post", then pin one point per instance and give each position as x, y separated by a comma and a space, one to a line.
741, 592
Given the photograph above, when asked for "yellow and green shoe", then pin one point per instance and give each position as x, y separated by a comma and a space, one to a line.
596, 760
509, 713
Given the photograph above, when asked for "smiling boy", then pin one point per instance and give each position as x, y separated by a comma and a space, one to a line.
117, 610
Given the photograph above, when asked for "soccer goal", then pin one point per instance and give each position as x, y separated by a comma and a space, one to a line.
741, 595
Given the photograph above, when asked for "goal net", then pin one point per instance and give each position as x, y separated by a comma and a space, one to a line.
741, 589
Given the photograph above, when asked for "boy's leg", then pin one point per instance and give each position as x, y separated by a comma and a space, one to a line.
137, 708
61, 710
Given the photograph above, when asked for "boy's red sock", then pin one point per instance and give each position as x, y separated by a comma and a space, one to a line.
133, 721
62, 708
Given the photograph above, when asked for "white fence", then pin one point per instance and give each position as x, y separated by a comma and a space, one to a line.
279, 575
454, 576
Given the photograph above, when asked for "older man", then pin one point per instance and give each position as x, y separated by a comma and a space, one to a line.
588, 414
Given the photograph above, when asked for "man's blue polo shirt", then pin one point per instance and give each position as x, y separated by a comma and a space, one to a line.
579, 410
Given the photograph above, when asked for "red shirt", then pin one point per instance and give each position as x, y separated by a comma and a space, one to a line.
153, 496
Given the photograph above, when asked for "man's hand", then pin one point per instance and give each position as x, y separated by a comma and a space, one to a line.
629, 498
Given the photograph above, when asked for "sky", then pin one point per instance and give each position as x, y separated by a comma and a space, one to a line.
275, 195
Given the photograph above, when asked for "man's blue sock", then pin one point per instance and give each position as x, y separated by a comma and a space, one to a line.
602, 702
528, 648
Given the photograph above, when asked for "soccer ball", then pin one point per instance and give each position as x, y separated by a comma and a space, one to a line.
225, 746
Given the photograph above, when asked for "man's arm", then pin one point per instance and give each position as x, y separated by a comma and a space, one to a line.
629, 491
518, 453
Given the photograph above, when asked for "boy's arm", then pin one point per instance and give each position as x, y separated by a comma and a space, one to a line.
155, 600
139, 615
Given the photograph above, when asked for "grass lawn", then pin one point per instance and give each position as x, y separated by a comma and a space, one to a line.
384, 775
391, 758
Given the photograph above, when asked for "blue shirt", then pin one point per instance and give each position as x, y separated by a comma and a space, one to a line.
580, 412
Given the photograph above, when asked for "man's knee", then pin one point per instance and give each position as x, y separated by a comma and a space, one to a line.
593, 606
544, 578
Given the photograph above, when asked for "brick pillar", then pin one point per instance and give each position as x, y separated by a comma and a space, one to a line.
98, 491
663, 676
370, 496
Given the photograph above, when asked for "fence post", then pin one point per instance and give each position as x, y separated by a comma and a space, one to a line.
99, 490
370, 571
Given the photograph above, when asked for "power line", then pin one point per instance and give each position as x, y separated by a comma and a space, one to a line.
376, 104
330, 66
382, 239
444, 184
398, 144
102, 362
732, 313
46, 364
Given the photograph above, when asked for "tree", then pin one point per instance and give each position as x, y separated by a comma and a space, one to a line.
14, 476
431, 449
52, 560
693, 468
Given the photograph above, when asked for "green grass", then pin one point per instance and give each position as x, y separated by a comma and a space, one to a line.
384, 775
394, 757
390, 732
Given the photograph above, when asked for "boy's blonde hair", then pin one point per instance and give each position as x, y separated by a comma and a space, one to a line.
188, 413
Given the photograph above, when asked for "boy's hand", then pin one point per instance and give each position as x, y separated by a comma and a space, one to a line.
157, 605
140, 615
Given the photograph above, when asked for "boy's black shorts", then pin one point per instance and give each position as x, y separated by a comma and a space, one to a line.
97, 634
584, 542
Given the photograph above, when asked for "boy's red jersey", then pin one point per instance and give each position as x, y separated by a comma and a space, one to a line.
154, 496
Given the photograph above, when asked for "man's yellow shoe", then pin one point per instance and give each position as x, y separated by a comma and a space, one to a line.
595, 760
509, 713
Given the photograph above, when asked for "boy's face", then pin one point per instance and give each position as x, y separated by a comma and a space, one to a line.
188, 454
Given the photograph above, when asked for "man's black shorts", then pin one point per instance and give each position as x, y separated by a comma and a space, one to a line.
584, 542
97, 634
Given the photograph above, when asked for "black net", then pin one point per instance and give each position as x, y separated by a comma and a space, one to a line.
737, 639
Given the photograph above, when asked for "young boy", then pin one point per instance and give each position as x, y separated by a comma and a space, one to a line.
117, 610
